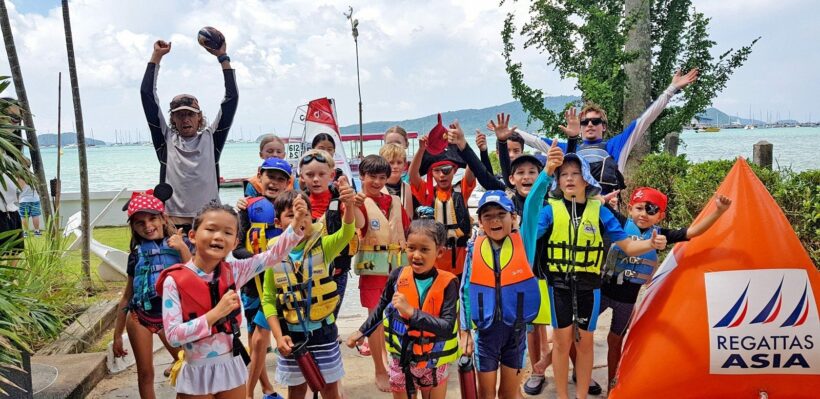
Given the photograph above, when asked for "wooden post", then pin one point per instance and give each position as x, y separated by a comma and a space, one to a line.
671, 142
762, 154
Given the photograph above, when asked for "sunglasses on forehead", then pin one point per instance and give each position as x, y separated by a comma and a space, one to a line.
311, 157
594, 121
444, 169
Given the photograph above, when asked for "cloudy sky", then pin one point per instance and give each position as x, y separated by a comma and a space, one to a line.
417, 58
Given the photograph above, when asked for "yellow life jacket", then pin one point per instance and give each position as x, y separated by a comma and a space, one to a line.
381, 249
307, 277
575, 250
426, 350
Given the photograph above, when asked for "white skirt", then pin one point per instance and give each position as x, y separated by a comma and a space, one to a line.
212, 375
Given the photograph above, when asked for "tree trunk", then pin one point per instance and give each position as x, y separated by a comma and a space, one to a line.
638, 73
28, 120
81, 150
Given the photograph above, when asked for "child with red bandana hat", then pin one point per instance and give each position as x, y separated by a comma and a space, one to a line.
440, 161
624, 276
155, 245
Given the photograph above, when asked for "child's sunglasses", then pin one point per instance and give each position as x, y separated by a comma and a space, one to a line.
311, 157
594, 121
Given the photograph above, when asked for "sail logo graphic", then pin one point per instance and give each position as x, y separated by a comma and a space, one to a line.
762, 322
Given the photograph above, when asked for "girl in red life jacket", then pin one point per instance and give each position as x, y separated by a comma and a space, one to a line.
418, 310
201, 310
155, 245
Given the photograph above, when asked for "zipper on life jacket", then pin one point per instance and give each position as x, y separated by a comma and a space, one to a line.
497, 272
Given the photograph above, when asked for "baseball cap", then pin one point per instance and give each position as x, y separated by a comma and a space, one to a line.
497, 197
274, 163
648, 194
185, 102
524, 158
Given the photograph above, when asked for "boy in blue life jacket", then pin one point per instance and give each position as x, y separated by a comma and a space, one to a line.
257, 221
624, 275
500, 296
565, 242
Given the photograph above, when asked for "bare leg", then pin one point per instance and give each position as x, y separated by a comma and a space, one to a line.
297, 391
35, 220
613, 355
260, 340
142, 345
236, 393
510, 387
486, 384
583, 363
377, 351
562, 341
331, 391
438, 392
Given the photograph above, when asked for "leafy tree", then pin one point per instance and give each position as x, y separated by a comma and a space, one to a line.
585, 40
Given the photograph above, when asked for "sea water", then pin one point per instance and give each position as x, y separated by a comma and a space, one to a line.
111, 168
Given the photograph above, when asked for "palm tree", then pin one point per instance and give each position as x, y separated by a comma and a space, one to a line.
78, 117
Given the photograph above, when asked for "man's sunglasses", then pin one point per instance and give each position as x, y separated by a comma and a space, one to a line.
311, 157
444, 170
594, 121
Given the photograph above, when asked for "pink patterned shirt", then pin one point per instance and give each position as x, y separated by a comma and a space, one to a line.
195, 335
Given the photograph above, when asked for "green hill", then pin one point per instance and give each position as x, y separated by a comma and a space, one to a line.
50, 139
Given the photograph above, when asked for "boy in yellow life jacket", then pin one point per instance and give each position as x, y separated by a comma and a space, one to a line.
300, 297
418, 311
381, 221
500, 296
565, 242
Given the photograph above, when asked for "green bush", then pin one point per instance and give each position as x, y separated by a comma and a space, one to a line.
690, 186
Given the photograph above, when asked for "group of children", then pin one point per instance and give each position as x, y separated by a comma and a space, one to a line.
545, 254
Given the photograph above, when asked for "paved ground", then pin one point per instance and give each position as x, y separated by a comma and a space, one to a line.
358, 381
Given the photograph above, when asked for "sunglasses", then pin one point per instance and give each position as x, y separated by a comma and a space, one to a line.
444, 170
594, 121
651, 209
311, 157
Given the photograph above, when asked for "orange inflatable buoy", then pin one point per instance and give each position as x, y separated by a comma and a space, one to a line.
730, 314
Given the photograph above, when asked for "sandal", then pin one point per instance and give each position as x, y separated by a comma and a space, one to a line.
535, 384
594, 388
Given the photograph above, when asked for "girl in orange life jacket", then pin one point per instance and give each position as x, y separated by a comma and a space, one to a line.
155, 245
418, 309
500, 295
396, 156
270, 146
257, 226
439, 162
381, 221
307, 327
201, 310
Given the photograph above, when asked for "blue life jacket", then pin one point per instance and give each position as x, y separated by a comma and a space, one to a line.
632, 269
602, 165
261, 215
152, 259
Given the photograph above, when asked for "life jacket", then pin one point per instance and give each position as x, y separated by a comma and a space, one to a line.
261, 215
256, 183
602, 165
575, 250
632, 269
332, 222
307, 277
455, 217
416, 347
152, 259
507, 291
381, 249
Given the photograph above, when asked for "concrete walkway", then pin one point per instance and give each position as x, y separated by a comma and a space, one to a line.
358, 382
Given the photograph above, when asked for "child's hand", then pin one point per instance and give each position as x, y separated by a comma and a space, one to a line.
176, 241
723, 203
423, 143
501, 126
681, 81
117, 348
573, 126
346, 194
228, 303
658, 240
465, 342
284, 345
456, 136
301, 216
555, 157
357, 338
480, 140
401, 304
358, 199
612, 199
242, 203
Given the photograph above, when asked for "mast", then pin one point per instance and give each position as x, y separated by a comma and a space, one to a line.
354, 25
57, 188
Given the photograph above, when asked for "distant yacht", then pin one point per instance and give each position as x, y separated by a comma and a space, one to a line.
749, 127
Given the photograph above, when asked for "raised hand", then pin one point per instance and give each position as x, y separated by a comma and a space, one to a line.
612, 198
176, 241
358, 199
501, 126
658, 240
423, 143
555, 157
301, 216
573, 126
723, 203
346, 193
456, 136
681, 81
480, 140
220, 51
161, 47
